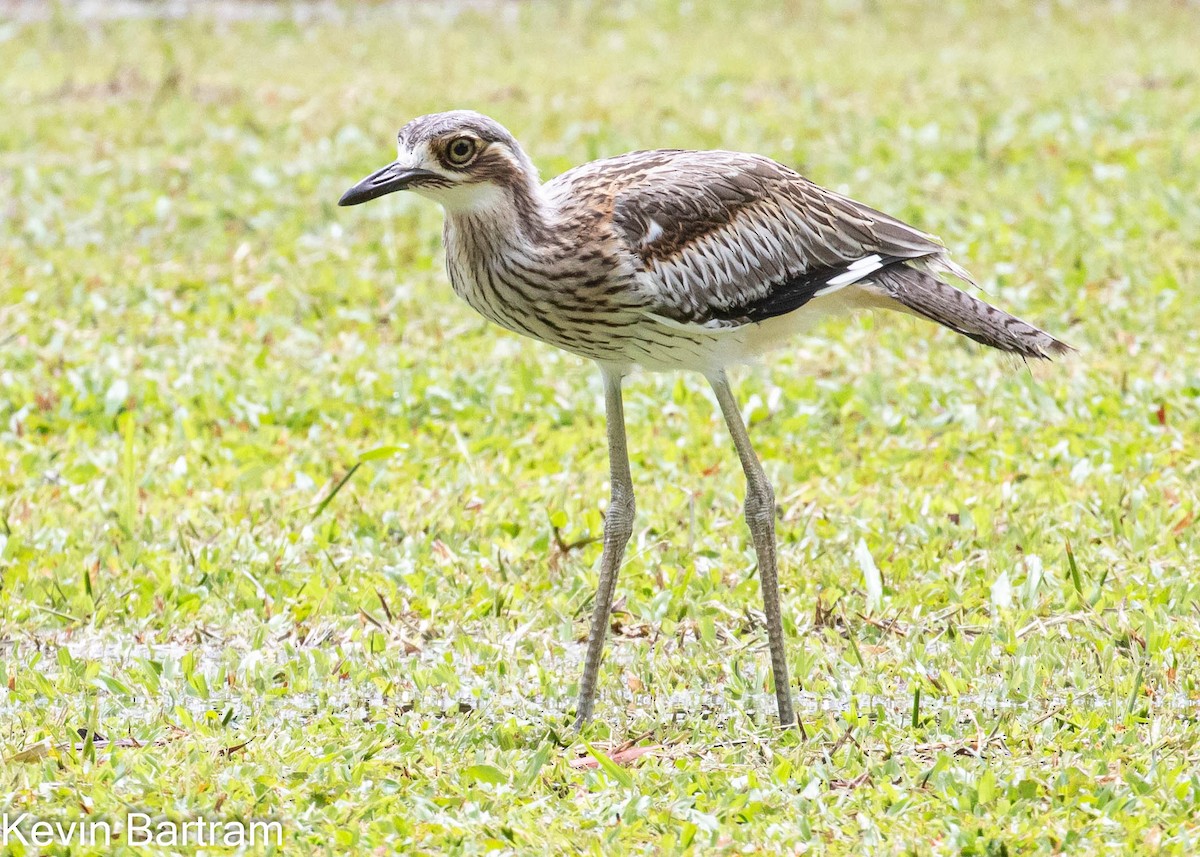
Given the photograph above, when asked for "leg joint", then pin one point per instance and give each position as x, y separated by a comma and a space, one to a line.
618, 520
760, 503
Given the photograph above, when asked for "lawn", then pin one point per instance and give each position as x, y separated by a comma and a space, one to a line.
288, 533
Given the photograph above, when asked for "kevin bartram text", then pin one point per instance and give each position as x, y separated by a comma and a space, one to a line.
136, 830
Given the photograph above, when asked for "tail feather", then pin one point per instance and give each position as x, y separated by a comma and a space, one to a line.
925, 295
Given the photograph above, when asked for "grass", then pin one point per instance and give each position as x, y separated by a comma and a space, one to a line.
197, 348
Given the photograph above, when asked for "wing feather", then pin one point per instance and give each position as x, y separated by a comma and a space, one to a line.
723, 237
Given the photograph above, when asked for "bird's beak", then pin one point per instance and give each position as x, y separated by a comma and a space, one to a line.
395, 176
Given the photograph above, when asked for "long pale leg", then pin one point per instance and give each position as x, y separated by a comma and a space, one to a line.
760, 516
618, 527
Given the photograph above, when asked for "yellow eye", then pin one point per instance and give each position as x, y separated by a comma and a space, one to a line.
460, 150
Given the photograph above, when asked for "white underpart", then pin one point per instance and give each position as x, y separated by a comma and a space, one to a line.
719, 344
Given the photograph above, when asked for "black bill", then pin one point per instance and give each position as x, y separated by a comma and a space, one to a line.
395, 176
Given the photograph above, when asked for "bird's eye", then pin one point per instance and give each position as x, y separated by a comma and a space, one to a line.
460, 150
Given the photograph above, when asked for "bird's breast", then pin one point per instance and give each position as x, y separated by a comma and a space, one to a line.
587, 304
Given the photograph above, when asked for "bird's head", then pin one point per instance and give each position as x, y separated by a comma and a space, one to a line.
460, 159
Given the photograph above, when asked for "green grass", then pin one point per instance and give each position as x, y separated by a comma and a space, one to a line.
197, 346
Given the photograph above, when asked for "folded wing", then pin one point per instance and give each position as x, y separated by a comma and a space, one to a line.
725, 239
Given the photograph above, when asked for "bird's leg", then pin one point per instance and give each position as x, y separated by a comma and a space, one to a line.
618, 527
760, 516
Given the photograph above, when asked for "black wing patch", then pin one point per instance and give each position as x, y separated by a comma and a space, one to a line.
795, 292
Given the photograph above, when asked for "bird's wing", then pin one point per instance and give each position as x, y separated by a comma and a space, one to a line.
725, 239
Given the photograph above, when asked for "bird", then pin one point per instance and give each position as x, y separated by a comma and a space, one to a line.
672, 259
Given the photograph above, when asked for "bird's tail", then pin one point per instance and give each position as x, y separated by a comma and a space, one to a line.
925, 295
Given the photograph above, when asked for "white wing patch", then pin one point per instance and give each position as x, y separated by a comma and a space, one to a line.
859, 269
653, 232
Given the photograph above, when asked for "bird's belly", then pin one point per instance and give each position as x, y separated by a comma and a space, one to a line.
602, 330
661, 346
